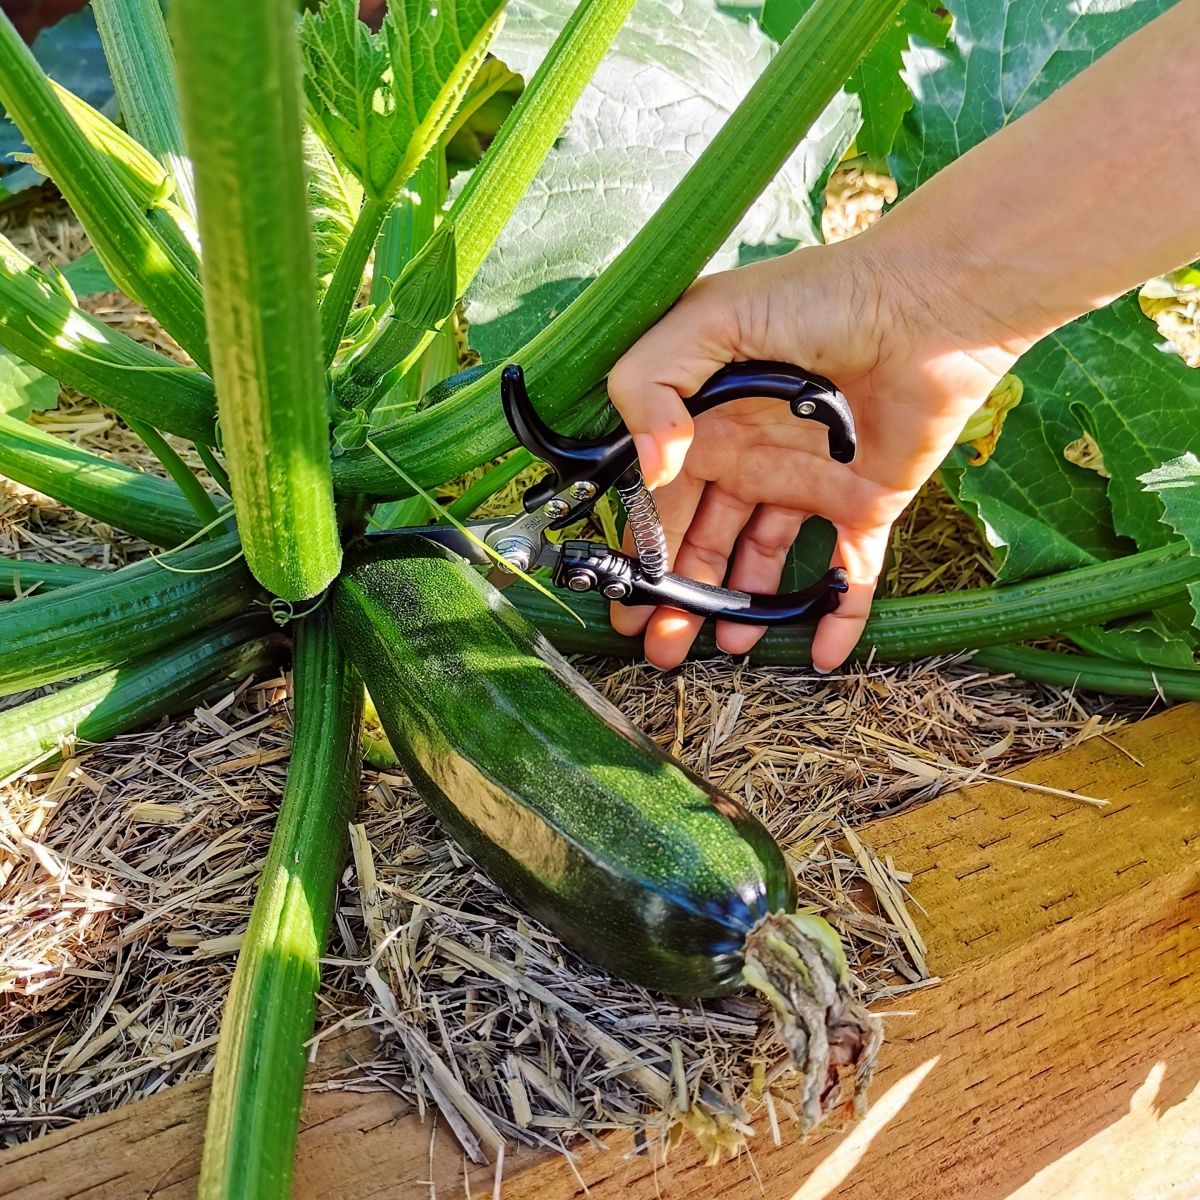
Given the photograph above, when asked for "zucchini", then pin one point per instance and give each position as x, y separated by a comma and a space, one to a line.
120, 614
258, 1082
913, 626
139, 503
124, 697
635, 862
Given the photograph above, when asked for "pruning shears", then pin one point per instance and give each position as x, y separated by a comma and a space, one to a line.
582, 471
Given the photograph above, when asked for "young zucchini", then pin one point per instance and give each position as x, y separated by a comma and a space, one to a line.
634, 861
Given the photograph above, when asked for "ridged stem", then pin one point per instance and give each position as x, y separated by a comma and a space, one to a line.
239, 75
1090, 674
258, 1080
495, 187
141, 504
46, 577
39, 324
124, 697
570, 358
139, 260
919, 625
140, 59
121, 614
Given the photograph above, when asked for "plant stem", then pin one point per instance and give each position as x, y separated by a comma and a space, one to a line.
124, 697
491, 194
138, 50
914, 626
570, 358
485, 488
348, 274
43, 327
136, 256
258, 1082
139, 503
193, 490
213, 467
119, 614
46, 577
239, 75
1090, 674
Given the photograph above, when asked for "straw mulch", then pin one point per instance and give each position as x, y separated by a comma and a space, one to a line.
127, 873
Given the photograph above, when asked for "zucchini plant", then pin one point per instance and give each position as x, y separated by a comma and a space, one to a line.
266, 164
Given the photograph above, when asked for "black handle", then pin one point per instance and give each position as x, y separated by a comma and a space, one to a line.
592, 566
602, 462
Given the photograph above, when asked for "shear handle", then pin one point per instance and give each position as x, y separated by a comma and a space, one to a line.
602, 462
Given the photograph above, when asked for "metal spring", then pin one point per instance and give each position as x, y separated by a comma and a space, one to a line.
641, 515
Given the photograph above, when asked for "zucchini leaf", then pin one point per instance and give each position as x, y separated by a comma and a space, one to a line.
1103, 376
382, 101
878, 81
1177, 485
1161, 639
672, 77
24, 388
1002, 58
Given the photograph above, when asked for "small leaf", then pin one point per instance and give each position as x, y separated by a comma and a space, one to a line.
1084, 452
351, 434
382, 101
1160, 639
24, 388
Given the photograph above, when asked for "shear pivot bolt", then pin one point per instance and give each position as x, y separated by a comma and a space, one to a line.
616, 590
581, 581
555, 509
805, 408
583, 490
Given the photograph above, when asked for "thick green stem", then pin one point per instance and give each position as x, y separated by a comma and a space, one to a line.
19, 576
348, 274
1090, 674
214, 467
571, 357
122, 698
915, 626
491, 194
192, 489
258, 1081
121, 614
143, 505
239, 75
137, 257
39, 324
142, 65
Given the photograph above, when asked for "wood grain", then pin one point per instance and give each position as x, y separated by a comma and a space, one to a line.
1069, 943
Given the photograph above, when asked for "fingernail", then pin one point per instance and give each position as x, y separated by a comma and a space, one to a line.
649, 458
821, 670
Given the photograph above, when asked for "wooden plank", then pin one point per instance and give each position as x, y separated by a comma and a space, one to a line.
1069, 942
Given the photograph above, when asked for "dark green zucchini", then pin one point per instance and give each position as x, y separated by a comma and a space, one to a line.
634, 861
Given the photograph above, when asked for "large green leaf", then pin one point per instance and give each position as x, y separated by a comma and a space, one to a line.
1002, 59
877, 82
381, 101
1102, 374
674, 73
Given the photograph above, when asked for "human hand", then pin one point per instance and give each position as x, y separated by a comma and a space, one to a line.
913, 361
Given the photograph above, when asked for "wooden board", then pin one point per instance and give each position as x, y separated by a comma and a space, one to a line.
1068, 939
